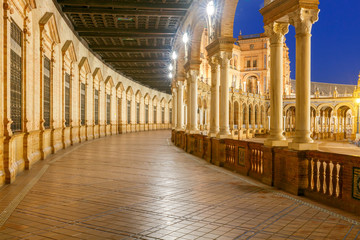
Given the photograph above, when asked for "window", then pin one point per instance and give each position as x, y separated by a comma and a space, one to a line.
265, 62
146, 113
108, 109
170, 115
154, 114
15, 78
251, 46
128, 112
82, 106
162, 115
265, 45
255, 63
47, 91
137, 113
248, 63
96, 105
67, 99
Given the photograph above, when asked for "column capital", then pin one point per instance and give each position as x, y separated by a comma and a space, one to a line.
303, 19
193, 75
214, 62
180, 83
224, 58
276, 31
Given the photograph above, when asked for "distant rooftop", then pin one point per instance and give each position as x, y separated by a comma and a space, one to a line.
327, 89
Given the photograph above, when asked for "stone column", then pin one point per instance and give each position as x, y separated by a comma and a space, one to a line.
231, 114
224, 95
276, 32
180, 108
214, 105
174, 109
194, 103
303, 20
188, 105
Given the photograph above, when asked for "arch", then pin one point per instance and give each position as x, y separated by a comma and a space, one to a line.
196, 36
251, 83
288, 106
226, 24
326, 105
69, 50
340, 105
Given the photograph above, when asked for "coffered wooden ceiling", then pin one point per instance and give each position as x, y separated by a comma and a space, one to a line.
134, 37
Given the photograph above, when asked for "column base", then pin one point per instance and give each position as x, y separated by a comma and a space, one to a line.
276, 143
303, 146
179, 129
212, 135
193, 132
223, 136
357, 136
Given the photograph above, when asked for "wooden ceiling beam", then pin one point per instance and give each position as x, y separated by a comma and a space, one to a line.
145, 12
150, 60
141, 67
126, 35
114, 48
122, 30
118, 4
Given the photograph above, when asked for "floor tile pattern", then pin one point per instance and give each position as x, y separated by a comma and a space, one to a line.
139, 186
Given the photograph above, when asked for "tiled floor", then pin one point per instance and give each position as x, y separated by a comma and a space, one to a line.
140, 186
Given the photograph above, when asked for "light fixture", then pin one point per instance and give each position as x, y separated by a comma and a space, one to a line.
174, 55
185, 38
170, 75
171, 67
210, 8
358, 100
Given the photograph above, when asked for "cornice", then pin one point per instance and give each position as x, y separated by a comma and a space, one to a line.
279, 9
225, 44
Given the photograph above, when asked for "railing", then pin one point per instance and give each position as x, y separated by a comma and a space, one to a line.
330, 178
325, 174
245, 157
256, 158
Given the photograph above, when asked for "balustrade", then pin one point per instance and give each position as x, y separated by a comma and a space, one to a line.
256, 158
325, 175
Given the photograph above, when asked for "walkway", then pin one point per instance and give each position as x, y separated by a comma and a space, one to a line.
140, 186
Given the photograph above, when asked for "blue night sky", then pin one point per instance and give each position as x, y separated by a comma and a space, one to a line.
335, 38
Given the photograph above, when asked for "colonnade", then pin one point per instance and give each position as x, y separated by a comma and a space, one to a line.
302, 19
326, 122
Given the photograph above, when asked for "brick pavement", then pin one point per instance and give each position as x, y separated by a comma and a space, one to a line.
139, 186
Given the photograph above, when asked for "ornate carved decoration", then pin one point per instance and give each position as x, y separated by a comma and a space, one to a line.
303, 19
276, 31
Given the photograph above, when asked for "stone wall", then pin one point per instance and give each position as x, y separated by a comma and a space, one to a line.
45, 35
